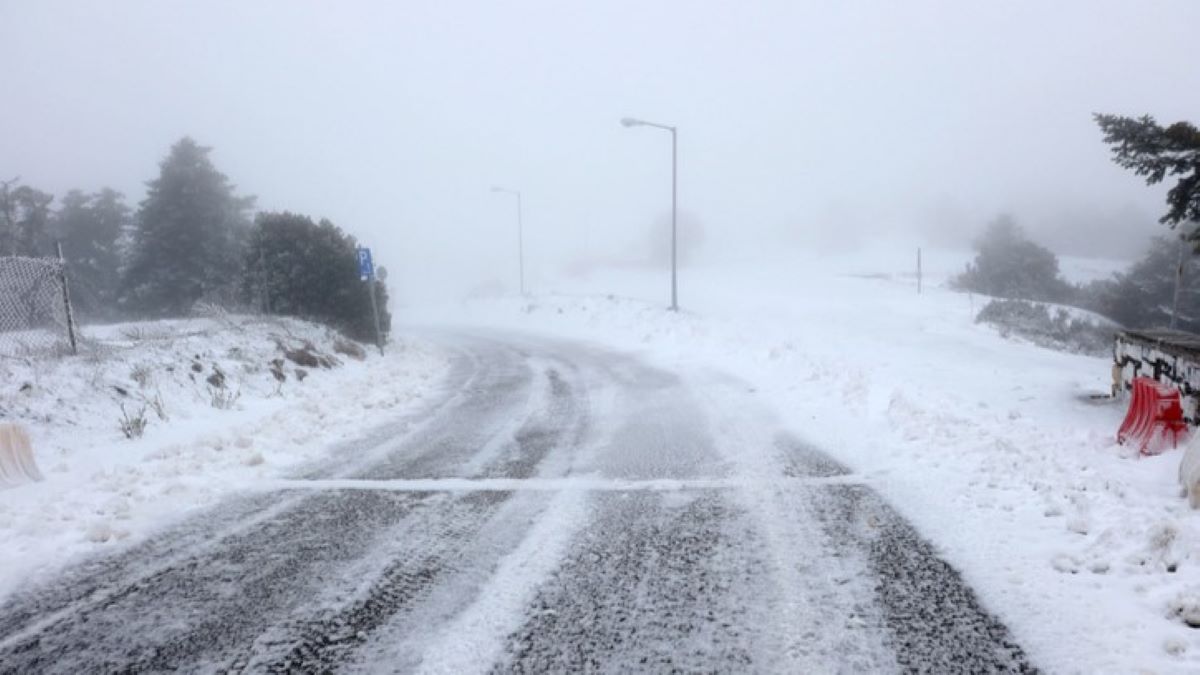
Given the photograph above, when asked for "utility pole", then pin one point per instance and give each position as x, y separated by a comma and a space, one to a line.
1178, 283
520, 244
918, 270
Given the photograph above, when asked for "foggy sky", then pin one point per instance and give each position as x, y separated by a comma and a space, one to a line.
799, 122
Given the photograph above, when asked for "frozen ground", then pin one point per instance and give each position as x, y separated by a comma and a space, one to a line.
102, 489
995, 448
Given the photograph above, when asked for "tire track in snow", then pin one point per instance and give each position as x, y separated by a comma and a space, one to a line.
475, 637
195, 607
94, 578
895, 584
655, 584
933, 621
806, 576
752, 573
215, 598
557, 421
488, 401
432, 546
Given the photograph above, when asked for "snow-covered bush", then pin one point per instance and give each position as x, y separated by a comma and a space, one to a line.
133, 425
223, 398
1058, 330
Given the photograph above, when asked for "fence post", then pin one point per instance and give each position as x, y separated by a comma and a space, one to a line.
66, 293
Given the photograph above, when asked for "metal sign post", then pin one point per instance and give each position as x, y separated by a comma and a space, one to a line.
366, 272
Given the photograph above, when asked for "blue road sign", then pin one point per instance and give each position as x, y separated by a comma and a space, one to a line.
366, 269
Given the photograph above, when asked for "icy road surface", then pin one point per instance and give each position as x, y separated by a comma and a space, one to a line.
560, 508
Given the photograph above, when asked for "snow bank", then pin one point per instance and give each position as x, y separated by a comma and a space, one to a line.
1001, 452
226, 403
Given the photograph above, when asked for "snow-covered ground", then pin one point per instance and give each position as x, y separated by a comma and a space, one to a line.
205, 435
997, 449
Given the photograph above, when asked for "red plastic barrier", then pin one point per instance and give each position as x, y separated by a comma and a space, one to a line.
1154, 413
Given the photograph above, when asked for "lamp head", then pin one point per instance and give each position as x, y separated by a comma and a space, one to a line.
630, 122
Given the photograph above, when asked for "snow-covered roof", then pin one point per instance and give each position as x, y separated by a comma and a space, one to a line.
1174, 341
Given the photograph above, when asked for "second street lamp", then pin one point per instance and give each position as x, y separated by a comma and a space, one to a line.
520, 234
631, 122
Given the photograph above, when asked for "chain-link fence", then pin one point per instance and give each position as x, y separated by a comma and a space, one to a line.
35, 310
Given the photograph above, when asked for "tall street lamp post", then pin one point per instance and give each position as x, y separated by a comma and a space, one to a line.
631, 122
520, 234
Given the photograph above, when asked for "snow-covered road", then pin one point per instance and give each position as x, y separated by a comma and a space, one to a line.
561, 508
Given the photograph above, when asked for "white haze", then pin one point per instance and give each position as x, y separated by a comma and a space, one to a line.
801, 124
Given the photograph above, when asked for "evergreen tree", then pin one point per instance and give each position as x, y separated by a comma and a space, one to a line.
189, 236
296, 267
1009, 265
24, 221
91, 228
1157, 152
1144, 296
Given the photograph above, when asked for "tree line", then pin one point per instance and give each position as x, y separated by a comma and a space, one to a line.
1010, 265
192, 239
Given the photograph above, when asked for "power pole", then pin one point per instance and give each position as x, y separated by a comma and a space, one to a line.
1178, 284
918, 270
520, 243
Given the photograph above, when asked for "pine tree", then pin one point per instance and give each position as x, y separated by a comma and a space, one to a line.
24, 221
91, 228
1143, 297
296, 267
189, 236
1009, 265
1157, 152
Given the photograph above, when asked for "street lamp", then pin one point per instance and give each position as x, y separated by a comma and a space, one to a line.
520, 234
631, 122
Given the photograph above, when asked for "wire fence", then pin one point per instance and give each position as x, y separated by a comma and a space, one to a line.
35, 308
